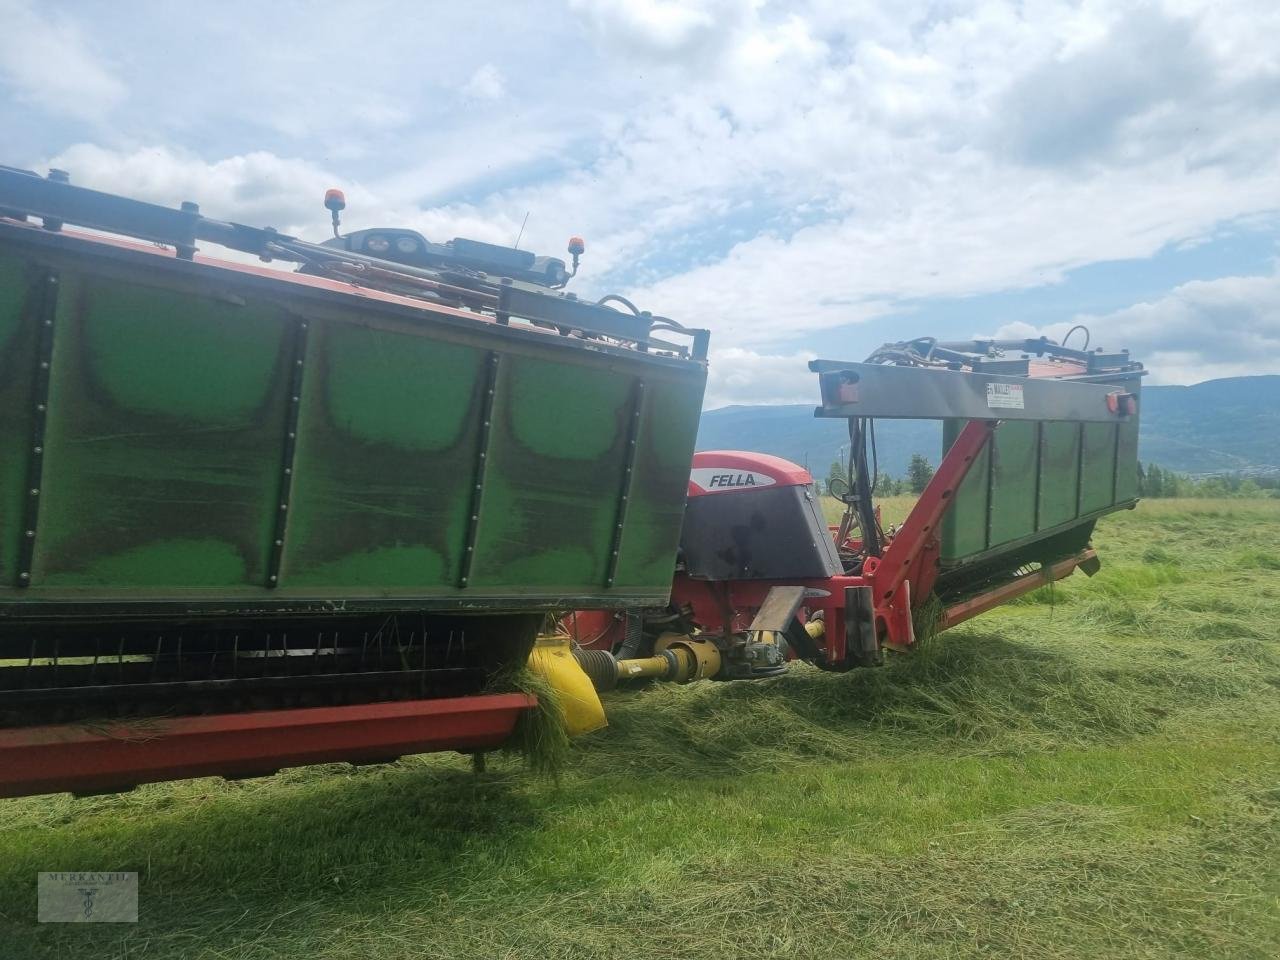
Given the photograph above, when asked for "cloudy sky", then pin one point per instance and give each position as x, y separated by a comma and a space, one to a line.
804, 178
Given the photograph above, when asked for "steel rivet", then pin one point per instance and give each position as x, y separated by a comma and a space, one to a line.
35, 491
303, 326
39, 408
477, 486
30, 534
44, 364
48, 323
469, 549
284, 506
486, 423
294, 399
293, 436
279, 543
272, 579
288, 470
24, 576
475, 517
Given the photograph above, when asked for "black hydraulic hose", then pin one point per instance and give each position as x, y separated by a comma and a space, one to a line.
1078, 326
618, 298
861, 484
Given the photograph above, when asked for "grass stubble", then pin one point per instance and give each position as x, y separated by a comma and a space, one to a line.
1093, 771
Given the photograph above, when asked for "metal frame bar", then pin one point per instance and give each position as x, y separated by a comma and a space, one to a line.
45, 289
628, 473
293, 405
304, 290
490, 387
56, 201
884, 391
70, 757
968, 609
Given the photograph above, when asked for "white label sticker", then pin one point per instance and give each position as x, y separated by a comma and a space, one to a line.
717, 479
1007, 396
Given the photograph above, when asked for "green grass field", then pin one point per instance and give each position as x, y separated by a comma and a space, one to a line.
1093, 772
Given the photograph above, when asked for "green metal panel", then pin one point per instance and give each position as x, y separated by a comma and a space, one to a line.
163, 445
1013, 482
1127, 460
1097, 467
661, 481
964, 529
557, 460
380, 494
1059, 473
1034, 481
209, 430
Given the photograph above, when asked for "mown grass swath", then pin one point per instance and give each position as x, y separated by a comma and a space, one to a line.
1092, 772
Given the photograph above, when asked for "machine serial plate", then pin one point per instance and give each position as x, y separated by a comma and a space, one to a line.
1004, 396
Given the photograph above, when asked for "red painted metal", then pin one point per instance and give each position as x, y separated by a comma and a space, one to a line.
595, 629
960, 612
73, 757
781, 472
907, 568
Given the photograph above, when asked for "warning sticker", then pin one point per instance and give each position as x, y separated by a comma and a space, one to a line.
1006, 396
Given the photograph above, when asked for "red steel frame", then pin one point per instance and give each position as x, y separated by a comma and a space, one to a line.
121, 755
907, 568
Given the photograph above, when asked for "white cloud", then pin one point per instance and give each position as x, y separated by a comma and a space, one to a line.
487, 83
1201, 330
737, 376
666, 29
769, 173
257, 188
48, 61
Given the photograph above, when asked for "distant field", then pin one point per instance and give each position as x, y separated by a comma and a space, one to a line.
1093, 772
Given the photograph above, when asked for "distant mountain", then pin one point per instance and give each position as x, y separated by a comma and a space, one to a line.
1218, 426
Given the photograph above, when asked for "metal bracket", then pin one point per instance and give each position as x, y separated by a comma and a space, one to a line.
482, 460
45, 290
628, 471
861, 644
779, 609
884, 391
297, 363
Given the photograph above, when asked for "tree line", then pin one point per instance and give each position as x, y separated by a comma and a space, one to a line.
919, 473
1154, 481
1157, 482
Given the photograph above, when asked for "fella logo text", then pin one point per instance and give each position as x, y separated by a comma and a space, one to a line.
734, 480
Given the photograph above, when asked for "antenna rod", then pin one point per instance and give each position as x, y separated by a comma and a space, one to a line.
521, 233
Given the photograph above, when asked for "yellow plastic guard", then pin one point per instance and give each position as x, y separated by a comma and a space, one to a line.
552, 659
